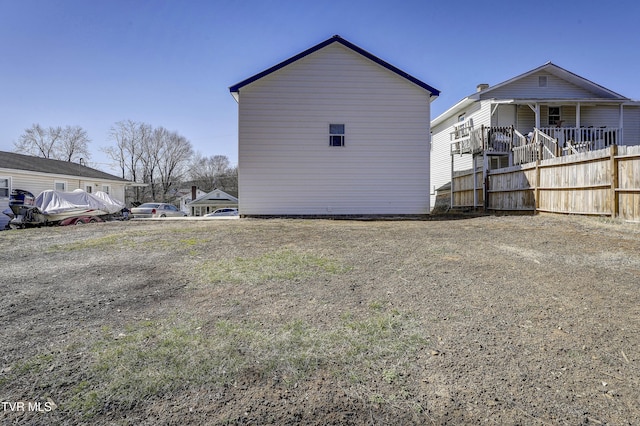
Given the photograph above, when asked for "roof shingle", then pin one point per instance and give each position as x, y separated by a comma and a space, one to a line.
11, 160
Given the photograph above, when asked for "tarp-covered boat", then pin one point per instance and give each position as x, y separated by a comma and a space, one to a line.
53, 206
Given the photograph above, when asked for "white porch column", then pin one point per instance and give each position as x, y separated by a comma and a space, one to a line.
578, 115
536, 110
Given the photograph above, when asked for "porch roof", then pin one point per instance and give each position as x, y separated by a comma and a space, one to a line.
564, 101
608, 96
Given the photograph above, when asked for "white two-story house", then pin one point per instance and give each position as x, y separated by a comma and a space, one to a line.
543, 113
333, 131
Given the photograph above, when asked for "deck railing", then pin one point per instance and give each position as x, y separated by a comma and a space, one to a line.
466, 140
499, 139
525, 154
540, 147
573, 140
461, 138
541, 144
519, 139
548, 145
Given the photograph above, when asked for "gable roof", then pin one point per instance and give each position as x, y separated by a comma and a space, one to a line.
11, 160
213, 196
549, 67
235, 89
564, 74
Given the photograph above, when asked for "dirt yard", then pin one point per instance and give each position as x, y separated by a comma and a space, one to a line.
492, 320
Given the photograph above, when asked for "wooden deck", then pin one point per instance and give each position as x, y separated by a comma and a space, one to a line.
492, 140
541, 144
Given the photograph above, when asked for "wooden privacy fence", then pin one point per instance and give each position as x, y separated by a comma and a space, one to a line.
604, 182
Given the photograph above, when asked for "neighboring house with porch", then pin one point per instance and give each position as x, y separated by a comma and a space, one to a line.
37, 174
546, 112
185, 196
333, 131
210, 202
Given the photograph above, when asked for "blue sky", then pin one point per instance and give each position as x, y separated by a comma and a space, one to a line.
170, 63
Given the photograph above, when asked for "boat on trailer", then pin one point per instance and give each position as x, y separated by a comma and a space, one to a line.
52, 207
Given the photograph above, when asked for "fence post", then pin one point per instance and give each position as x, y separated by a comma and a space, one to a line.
451, 191
614, 181
536, 189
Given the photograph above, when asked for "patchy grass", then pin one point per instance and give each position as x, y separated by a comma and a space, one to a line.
99, 243
283, 264
333, 322
152, 359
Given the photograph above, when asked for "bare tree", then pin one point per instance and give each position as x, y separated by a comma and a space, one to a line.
229, 181
74, 144
37, 141
174, 155
207, 172
67, 144
131, 140
156, 157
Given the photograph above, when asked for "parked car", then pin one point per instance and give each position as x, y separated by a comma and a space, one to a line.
223, 212
80, 220
149, 210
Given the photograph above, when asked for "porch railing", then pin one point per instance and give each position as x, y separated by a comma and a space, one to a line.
541, 144
540, 147
499, 139
572, 140
466, 140
548, 145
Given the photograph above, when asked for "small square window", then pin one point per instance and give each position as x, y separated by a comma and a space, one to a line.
60, 186
4, 188
336, 134
542, 81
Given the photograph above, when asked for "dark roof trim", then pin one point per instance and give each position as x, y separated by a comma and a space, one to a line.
335, 39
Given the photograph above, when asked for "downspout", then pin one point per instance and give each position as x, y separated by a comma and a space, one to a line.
621, 125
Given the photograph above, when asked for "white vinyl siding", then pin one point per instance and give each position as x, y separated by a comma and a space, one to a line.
526, 119
479, 114
285, 163
36, 182
605, 115
5, 191
527, 88
631, 123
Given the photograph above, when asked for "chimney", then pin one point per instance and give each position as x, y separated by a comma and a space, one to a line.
193, 192
481, 87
